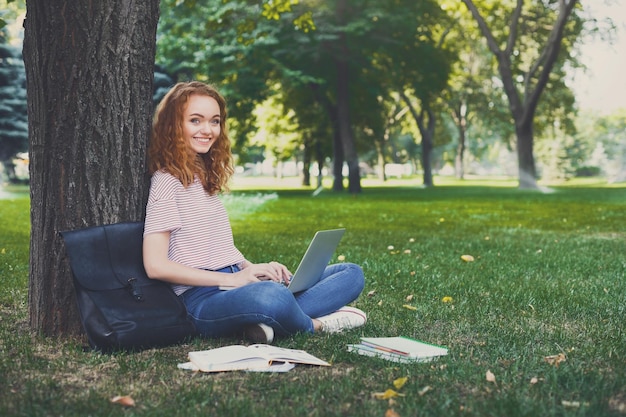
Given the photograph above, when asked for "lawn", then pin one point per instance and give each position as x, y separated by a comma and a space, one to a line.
541, 310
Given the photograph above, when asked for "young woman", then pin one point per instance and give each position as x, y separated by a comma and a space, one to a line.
188, 239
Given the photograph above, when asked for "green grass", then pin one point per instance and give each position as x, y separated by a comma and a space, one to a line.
548, 278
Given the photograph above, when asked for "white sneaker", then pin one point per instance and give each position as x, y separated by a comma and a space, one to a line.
259, 333
343, 319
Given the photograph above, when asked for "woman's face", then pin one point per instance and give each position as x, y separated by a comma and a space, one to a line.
201, 122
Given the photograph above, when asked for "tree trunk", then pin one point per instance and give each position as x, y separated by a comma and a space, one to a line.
319, 156
525, 159
380, 156
459, 163
460, 118
89, 69
427, 131
306, 164
343, 106
345, 128
337, 159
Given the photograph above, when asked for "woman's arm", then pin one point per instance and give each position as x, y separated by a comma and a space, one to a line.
158, 266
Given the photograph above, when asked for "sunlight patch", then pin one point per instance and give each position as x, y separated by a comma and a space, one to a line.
243, 204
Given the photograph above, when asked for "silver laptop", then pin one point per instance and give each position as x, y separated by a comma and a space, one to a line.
314, 261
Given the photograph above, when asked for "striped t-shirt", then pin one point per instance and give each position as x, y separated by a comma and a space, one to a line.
200, 232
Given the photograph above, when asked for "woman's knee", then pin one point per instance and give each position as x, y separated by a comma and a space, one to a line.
269, 296
357, 277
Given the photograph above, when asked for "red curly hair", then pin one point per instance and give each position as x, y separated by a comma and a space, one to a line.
169, 151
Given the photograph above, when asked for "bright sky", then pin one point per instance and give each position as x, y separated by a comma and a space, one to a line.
603, 86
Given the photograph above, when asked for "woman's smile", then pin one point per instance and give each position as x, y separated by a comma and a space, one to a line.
201, 125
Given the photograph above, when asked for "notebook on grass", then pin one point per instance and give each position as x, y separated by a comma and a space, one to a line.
398, 349
314, 261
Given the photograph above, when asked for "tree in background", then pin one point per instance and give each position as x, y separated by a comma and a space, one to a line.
223, 43
89, 68
336, 57
408, 60
604, 140
472, 101
527, 40
13, 110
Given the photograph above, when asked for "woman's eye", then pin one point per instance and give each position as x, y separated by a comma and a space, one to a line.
195, 121
215, 121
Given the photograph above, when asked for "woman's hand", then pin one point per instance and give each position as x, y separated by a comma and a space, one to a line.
272, 271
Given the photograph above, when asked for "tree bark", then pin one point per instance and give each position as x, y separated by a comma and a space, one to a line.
89, 69
525, 156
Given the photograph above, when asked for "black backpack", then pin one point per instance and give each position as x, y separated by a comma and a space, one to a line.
120, 307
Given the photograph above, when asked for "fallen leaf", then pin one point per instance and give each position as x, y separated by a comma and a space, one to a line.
618, 403
387, 394
399, 382
467, 258
391, 413
412, 240
407, 251
447, 299
380, 303
555, 359
534, 380
409, 297
409, 307
490, 377
341, 258
570, 404
424, 390
390, 247
371, 293
125, 400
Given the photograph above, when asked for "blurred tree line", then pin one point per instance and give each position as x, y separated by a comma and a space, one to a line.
13, 113
363, 84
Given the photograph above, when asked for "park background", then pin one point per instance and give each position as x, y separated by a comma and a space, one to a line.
534, 324
272, 146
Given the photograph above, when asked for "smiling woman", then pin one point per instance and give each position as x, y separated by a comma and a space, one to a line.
188, 240
202, 123
202, 110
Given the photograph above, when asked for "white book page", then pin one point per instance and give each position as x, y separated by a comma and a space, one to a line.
289, 355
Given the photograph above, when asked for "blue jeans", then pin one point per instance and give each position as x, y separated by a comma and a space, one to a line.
223, 313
